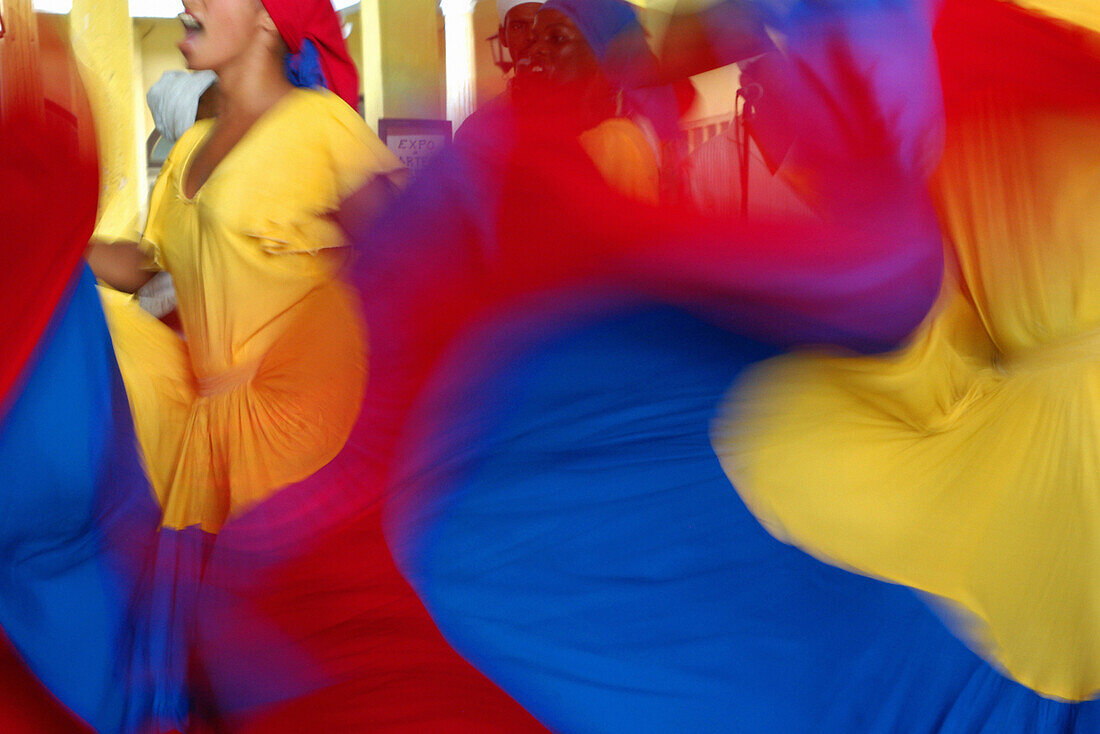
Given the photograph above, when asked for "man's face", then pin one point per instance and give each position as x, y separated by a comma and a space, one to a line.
516, 32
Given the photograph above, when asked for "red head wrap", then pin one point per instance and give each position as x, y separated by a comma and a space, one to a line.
317, 22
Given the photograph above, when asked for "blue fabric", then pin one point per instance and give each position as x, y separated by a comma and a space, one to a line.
77, 527
304, 69
565, 519
868, 60
599, 21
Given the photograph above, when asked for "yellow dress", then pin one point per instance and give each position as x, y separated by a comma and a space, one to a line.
624, 158
967, 464
266, 383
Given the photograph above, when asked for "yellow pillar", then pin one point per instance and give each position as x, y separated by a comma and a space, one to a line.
402, 70
103, 42
370, 72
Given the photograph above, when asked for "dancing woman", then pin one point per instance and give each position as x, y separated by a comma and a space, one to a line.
245, 422
261, 391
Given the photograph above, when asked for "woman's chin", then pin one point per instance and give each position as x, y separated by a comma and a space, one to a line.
192, 55
194, 62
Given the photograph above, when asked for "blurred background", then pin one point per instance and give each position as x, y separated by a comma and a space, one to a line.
418, 60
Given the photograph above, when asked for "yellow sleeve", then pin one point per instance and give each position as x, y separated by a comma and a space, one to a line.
343, 156
357, 153
151, 235
155, 224
624, 158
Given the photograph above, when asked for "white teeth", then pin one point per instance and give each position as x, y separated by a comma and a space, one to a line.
190, 22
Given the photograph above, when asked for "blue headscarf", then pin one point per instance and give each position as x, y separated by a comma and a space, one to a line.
601, 21
607, 22
304, 69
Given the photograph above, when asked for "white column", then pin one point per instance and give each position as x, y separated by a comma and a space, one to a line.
458, 26
371, 78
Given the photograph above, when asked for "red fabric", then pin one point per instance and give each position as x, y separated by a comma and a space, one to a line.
49, 188
328, 635
317, 20
48, 197
26, 707
994, 49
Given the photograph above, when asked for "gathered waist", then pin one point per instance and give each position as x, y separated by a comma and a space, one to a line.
227, 380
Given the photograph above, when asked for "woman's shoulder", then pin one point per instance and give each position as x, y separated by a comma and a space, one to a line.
323, 108
344, 131
621, 128
619, 137
622, 153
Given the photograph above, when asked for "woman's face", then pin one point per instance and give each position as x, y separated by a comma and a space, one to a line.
219, 31
560, 55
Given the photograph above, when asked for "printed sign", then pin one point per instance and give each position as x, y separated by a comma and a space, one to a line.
415, 142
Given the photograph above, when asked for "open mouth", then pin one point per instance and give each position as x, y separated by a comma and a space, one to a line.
190, 23
530, 66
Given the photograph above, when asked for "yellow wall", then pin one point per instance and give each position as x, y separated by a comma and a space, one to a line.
19, 89
412, 58
715, 94
400, 56
157, 39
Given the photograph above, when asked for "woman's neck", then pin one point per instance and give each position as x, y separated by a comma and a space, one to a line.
251, 85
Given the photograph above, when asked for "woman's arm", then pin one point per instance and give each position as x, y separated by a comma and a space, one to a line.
121, 265
358, 210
